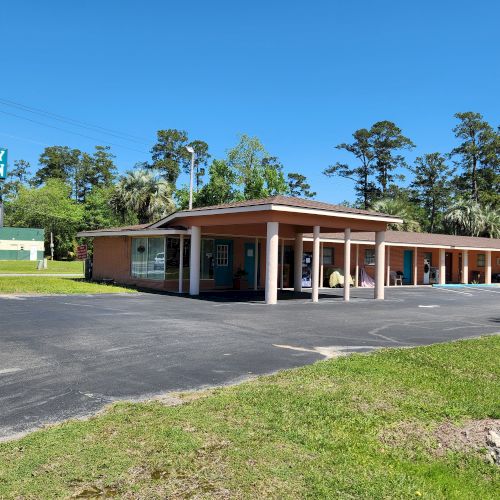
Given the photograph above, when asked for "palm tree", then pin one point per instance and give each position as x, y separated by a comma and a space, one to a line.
145, 194
491, 218
399, 208
465, 217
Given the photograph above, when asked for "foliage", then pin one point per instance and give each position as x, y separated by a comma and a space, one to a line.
17, 177
468, 218
220, 187
388, 141
399, 207
49, 207
478, 157
431, 188
141, 192
360, 426
298, 186
361, 173
170, 156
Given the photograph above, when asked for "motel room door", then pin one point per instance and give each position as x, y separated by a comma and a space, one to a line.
223, 265
250, 263
448, 262
408, 267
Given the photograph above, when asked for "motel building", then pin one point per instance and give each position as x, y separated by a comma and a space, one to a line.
285, 243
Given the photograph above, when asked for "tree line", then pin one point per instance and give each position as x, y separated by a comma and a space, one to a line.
453, 192
73, 190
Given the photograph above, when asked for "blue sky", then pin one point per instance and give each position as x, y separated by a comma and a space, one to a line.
302, 76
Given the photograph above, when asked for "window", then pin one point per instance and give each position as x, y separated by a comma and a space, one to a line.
328, 256
369, 257
156, 259
172, 248
139, 258
222, 255
207, 259
481, 260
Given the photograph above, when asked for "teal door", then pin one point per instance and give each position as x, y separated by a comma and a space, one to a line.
223, 265
408, 267
250, 264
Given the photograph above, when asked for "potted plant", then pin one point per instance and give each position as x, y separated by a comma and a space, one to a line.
238, 276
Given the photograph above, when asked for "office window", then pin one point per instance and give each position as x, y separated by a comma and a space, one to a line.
156, 258
139, 258
481, 260
328, 256
369, 257
207, 259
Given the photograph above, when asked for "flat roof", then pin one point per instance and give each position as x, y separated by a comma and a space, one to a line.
403, 238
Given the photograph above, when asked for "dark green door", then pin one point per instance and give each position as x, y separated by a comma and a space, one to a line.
223, 265
408, 267
250, 263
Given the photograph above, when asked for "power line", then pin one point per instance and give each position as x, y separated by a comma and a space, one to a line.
72, 132
71, 121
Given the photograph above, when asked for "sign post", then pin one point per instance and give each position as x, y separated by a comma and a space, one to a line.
81, 254
3, 176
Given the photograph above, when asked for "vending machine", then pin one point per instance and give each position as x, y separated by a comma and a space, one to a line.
427, 271
307, 270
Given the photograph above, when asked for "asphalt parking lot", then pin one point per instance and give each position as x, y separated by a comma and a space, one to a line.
68, 356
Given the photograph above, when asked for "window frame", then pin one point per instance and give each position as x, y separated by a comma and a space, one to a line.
371, 261
222, 260
481, 257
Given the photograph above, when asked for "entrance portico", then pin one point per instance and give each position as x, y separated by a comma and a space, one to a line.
274, 219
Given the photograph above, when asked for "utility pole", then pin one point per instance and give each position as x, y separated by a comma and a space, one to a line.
190, 149
3, 176
51, 246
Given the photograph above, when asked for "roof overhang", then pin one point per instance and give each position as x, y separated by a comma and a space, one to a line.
276, 208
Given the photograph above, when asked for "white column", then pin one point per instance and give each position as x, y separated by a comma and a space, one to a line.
415, 266
356, 278
272, 245
388, 280
347, 264
194, 261
487, 278
297, 269
256, 265
465, 266
315, 265
321, 267
442, 266
181, 262
379, 264
282, 263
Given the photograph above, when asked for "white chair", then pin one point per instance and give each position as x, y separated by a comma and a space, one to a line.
396, 278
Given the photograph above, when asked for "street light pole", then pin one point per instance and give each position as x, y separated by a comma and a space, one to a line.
191, 173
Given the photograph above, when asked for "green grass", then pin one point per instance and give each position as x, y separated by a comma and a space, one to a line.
51, 285
313, 432
26, 266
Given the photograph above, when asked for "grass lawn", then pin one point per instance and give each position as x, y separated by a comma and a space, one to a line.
53, 285
362, 426
27, 266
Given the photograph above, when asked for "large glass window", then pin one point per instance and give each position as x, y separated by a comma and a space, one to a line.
173, 246
156, 258
207, 259
139, 258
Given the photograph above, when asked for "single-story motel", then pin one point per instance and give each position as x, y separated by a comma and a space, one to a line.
282, 242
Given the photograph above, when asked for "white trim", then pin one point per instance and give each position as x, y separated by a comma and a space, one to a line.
140, 232
409, 245
277, 208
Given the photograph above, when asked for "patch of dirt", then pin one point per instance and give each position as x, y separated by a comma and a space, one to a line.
470, 436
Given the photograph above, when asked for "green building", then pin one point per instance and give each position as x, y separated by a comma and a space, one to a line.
20, 243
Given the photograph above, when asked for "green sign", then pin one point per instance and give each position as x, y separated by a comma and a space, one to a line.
3, 163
